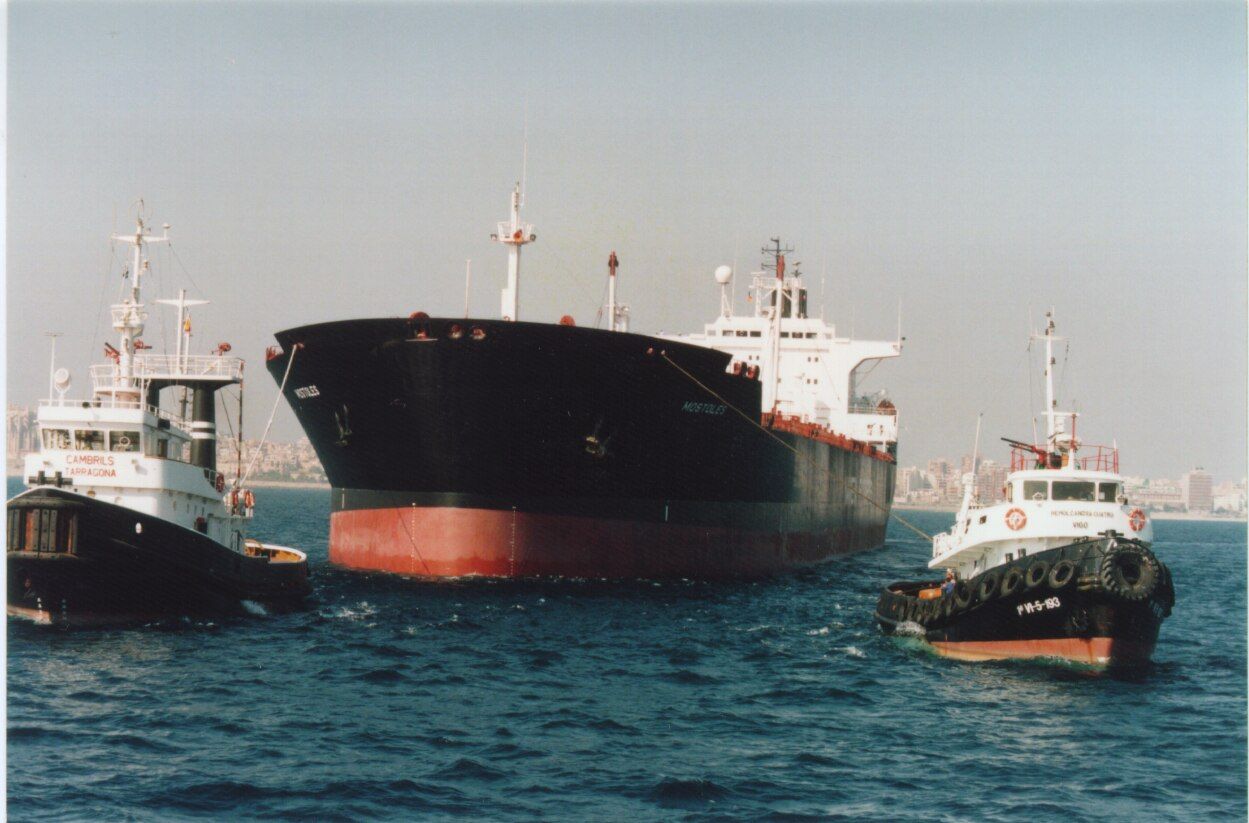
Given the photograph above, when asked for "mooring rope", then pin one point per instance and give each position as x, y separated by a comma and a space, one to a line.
797, 453
240, 482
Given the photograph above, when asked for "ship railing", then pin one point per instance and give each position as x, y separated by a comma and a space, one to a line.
1087, 458
883, 407
146, 367
110, 401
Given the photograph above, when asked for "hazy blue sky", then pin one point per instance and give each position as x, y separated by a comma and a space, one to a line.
973, 161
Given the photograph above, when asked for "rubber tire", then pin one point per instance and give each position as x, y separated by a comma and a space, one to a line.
963, 594
1110, 573
1011, 582
1062, 575
946, 608
1036, 574
988, 586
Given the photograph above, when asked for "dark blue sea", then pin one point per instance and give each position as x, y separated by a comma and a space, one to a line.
777, 700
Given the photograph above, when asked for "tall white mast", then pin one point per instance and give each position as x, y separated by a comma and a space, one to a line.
774, 343
128, 315
514, 234
1051, 405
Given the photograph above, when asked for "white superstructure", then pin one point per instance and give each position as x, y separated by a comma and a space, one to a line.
808, 373
1056, 494
119, 446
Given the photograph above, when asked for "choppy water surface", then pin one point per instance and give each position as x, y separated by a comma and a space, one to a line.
586, 700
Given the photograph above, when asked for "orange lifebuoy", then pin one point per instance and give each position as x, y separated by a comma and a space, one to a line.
221, 483
1016, 519
249, 499
234, 501
1137, 520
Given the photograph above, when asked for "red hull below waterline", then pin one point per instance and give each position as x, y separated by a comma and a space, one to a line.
455, 542
1092, 651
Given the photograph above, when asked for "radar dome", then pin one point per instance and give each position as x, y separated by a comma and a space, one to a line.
60, 378
724, 274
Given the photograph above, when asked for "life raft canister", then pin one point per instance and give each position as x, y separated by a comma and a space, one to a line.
249, 499
1137, 520
1016, 519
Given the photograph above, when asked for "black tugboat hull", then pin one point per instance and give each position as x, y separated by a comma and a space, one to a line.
1067, 603
75, 560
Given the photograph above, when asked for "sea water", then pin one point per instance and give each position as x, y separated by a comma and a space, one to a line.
574, 700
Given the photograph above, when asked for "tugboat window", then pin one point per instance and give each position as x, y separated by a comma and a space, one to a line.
56, 438
1073, 490
1107, 492
1035, 489
91, 440
123, 441
162, 447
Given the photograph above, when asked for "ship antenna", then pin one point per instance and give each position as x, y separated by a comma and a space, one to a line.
969, 479
524, 152
52, 365
468, 279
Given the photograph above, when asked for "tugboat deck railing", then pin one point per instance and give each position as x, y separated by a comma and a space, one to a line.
170, 367
109, 401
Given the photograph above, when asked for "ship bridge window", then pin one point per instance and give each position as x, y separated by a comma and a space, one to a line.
1035, 489
754, 334
1073, 490
91, 440
56, 438
1107, 492
123, 441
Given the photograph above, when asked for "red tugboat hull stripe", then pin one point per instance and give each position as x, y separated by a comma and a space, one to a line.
1094, 651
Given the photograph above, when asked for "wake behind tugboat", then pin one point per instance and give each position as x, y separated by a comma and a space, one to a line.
126, 516
1063, 568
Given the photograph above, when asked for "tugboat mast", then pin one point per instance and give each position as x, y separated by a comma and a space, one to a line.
128, 316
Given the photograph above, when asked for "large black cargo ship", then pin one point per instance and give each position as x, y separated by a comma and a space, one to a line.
494, 447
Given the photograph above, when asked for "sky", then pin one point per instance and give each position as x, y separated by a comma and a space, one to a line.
969, 164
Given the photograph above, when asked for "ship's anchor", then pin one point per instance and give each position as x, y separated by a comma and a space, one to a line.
595, 445
344, 428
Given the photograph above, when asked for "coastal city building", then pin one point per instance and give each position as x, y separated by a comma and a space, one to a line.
1198, 488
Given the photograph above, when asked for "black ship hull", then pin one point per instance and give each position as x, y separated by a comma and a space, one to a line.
75, 560
458, 447
1097, 602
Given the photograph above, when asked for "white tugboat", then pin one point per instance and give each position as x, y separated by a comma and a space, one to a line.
1061, 568
126, 515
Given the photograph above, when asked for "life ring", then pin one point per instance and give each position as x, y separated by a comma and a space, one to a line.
1016, 519
234, 501
1062, 574
1010, 581
752, 372
988, 587
1036, 574
518, 235
1137, 520
1131, 572
220, 483
737, 368
249, 499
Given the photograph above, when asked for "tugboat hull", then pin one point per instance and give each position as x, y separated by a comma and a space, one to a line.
76, 560
1096, 602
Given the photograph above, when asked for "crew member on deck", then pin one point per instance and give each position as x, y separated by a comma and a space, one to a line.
947, 588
